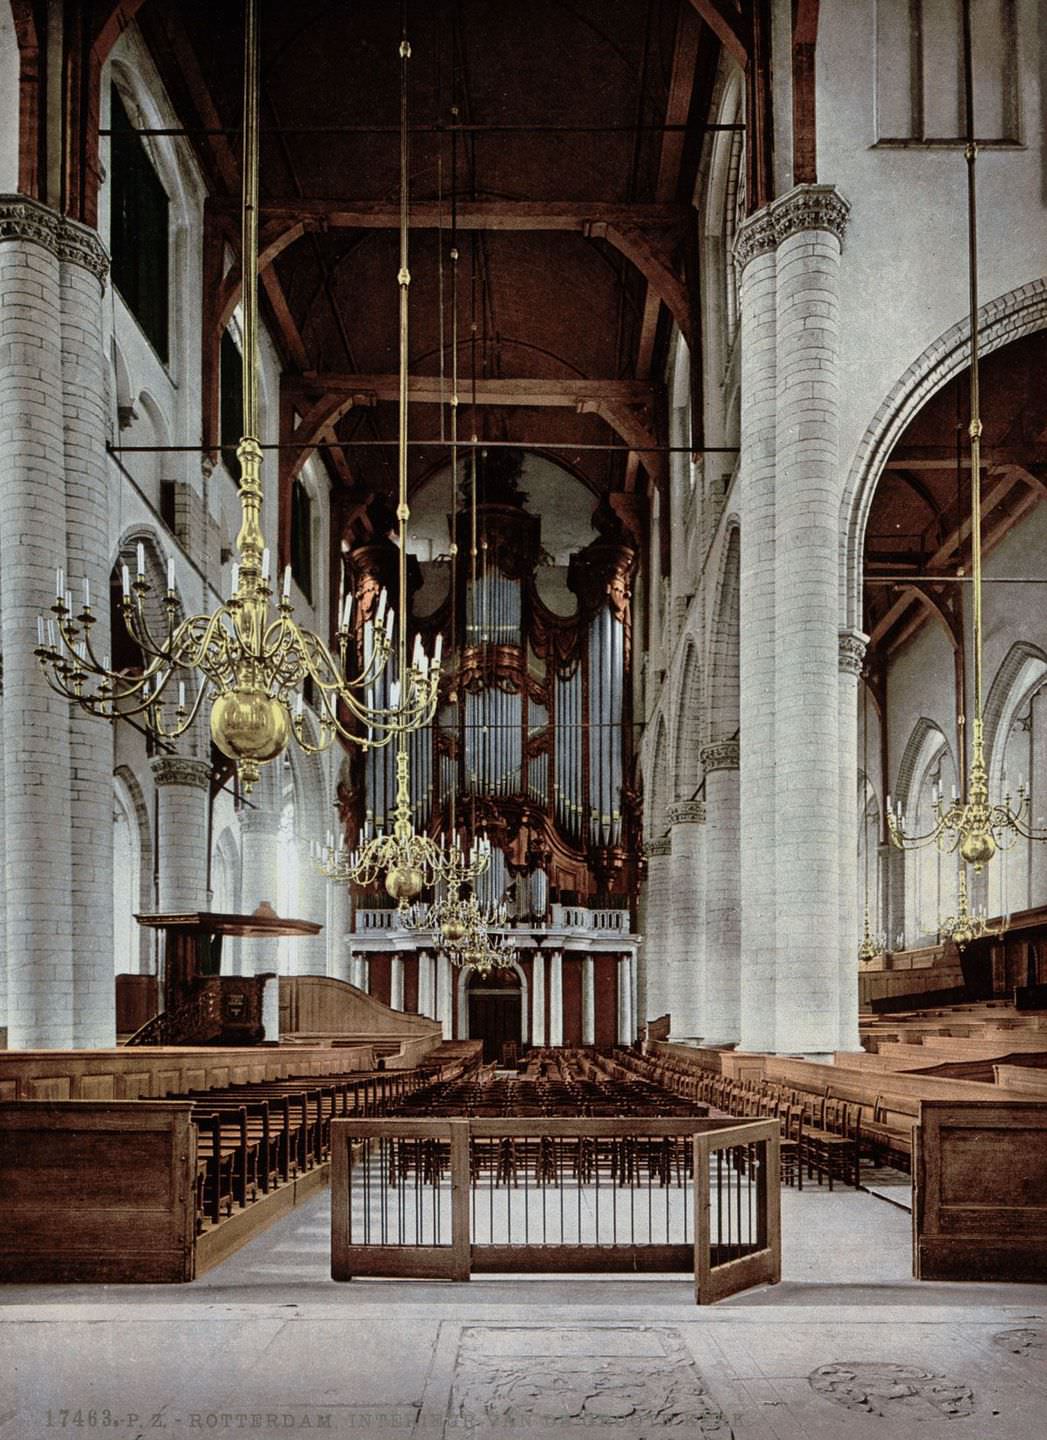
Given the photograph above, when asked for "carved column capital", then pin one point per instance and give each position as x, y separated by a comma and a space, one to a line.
755, 237
720, 755
853, 645
25, 219
687, 812
181, 770
810, 207
806, 207
656, 848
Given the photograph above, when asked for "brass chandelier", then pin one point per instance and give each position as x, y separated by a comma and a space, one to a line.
971, 824
967, 924
409, 861
249, 658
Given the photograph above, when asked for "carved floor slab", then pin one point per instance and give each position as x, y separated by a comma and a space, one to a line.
629, 1381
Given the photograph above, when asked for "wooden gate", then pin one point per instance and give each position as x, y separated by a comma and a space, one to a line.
446, 1198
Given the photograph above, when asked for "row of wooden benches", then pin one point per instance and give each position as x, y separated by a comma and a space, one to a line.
823, 1134
251, 1138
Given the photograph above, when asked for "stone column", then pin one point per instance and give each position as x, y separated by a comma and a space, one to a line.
851, 655
687, 934
82, 269
555, 997
588, 1001
308, 955
1036, 779
426, 997
3, 894
538, 998
721, 1022
37, 864
754, 255
655, 941
444, 1008
809, 223
259, 829
360, 970
183, 788
626, 1024
337, 946
396, 982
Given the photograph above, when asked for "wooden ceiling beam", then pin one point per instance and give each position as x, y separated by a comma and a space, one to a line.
570, 215
428, 390
729, 25
1006, 482
943, 457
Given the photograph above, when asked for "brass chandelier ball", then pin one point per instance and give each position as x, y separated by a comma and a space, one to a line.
404, 882
452, 931
250, 725
977, 848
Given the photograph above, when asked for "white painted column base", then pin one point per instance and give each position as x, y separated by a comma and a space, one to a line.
556, 997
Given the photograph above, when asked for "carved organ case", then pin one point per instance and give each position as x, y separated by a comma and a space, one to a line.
533, 735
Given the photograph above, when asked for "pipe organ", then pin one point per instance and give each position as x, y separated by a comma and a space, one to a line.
533, 735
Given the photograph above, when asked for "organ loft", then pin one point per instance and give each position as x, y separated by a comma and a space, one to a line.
522, 732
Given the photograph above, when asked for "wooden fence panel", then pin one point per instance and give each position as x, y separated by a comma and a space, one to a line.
980, 1191
96, 1191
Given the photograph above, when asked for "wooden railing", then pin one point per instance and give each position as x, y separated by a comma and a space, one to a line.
444, 1198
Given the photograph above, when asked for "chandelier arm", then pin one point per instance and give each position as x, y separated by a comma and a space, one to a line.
140, 631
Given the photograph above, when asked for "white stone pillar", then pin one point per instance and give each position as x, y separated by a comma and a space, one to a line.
538, 998
183, 788
271, 1009
3, 895
37, 864
658, 888
808, 225
308, 953
396, 982
360, 968
721, 1020
754, 255
259, 829
444, 1004
85, 419
1036, 779
686, 937
555, 997
625, 1035
588, 1001
337, 946
426, 988
851, 655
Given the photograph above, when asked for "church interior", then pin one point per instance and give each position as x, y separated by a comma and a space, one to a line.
523, 718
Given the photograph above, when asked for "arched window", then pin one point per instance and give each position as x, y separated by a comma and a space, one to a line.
928, 767
289, 879
302, 538
126, 885
139, 229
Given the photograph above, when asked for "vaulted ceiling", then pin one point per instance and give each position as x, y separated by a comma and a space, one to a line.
564, 134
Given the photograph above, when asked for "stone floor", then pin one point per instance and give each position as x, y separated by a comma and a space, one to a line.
847, 1347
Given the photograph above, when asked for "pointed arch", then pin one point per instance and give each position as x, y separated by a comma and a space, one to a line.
724, 701
1006, 318
688, 726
